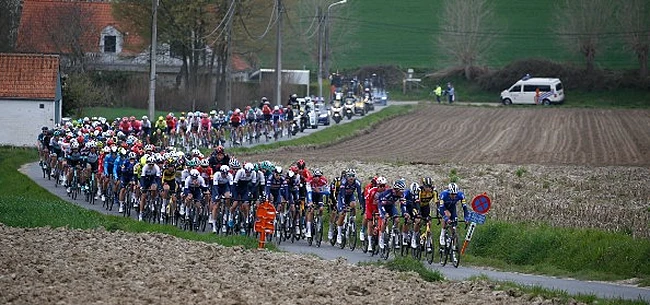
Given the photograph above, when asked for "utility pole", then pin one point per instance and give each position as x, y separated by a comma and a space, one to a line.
327, 34
229, 57
152, 58
278, 58
320, 53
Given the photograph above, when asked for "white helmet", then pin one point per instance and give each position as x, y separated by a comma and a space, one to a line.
278, 169
453, 188
276, 107
195, 173
205, 163
151, 159
249, 167
132, 155
74, 145
224, 168
382, 180
144, 118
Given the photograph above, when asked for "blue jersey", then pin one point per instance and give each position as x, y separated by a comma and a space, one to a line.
449, 204
348, 189
409, 202
388, 197
109, 161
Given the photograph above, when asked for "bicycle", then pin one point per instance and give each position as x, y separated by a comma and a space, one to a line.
92, 189
450, 251
350, 227
390, 240
425, 245
74, 185
316, 231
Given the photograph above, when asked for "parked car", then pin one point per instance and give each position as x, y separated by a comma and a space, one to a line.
535, 90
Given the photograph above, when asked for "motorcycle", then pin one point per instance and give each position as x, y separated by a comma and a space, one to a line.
304, 121
349, 108
294, 127
337, 112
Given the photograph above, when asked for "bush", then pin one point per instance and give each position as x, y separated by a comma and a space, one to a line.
572, 76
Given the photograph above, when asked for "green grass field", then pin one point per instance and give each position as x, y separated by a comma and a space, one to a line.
25, 204
382, 32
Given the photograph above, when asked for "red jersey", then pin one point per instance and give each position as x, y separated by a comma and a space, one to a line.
136, 125
319, 185
235, 118
125, 126
266, 109
305, 175
366, 189
171, 123
206, 173
206, 123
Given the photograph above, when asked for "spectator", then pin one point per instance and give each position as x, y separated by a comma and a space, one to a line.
451, 93
438, 92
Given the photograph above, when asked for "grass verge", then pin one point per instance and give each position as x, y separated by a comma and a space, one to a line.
25, 204
559, 296
332, 134
406, 264
580, 253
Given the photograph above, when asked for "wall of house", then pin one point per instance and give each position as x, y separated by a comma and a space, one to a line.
21, 121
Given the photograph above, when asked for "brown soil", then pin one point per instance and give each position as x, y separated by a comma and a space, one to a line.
552, 136
62, 266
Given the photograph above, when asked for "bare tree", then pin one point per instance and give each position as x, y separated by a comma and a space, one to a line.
582, 24
634, 19
464, 32
9, 20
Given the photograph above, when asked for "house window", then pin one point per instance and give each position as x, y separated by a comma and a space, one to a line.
110, 44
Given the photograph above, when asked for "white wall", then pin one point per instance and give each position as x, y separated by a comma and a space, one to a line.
21, 121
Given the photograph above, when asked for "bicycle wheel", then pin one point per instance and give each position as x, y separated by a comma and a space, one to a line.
454, 251
352, 236
278, 232
429, 249
444, 252
404, 249
385, 252
319, 232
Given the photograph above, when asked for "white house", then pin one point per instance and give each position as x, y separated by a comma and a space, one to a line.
30, 97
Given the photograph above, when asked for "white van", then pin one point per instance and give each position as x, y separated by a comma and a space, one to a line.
536, 90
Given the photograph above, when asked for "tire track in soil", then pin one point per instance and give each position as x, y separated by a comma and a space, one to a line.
440, 134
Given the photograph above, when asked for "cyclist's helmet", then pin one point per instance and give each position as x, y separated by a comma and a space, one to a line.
382, 180
278, 170
249, 167
415, 187
351, 173
44, 128
264, 99
453, 188
399, 185
132, 155
151, 160
234, 163
205, 163
317, 172
427, 181
194, 173
290, 174
224, 168
213, 112
301, 164
74, 145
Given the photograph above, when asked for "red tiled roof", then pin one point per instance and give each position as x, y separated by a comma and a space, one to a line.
28, 76
47, 25
239, 64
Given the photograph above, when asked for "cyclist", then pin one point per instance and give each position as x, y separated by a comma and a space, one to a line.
410, 212
221, 187
169, 186
447, 208
149, 179
426, 198
387, 203
235, 123
333, 205
371, 208
243, 181
127, 175
318, 190
194, 188
346, 199
73, 159
294, 182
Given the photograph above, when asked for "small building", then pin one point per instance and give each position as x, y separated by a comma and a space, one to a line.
30, 97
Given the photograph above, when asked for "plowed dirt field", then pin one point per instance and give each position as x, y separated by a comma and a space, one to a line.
551, 136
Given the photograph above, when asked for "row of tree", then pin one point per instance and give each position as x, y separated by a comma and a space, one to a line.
581, 25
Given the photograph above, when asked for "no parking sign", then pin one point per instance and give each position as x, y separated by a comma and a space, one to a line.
481, 204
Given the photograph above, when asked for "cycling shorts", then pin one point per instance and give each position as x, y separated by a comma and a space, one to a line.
220, 190
241, 192
389, 209
347, 199
371, 208
319, 199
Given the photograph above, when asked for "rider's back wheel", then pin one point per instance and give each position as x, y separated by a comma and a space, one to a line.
454, 251
352, 236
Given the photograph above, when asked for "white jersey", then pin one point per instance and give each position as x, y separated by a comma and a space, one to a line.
198, 182
220, 179
150, 170
243, 176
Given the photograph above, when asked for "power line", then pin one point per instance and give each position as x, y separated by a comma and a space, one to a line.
268, 27
229, 12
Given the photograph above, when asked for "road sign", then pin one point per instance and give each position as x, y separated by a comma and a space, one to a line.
476, 217
481, 204
468, 237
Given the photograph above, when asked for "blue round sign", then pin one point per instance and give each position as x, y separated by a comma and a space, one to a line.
481, 204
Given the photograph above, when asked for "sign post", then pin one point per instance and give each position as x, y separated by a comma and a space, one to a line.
264, 223
481, 204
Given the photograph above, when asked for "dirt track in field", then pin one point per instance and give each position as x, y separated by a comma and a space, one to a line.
61, 266
437, 134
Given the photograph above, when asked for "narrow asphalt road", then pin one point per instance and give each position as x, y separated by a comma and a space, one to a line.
601, 289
